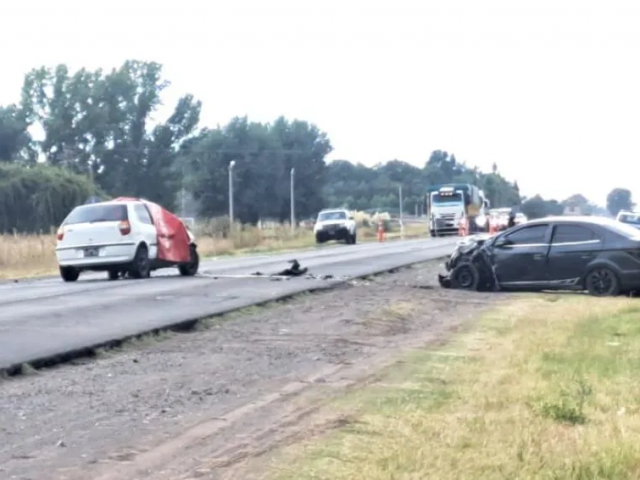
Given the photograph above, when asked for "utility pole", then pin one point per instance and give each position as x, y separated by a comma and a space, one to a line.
401, 223
231, 165
292, 198
182, 199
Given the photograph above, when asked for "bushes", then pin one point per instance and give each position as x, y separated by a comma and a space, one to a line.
35, 199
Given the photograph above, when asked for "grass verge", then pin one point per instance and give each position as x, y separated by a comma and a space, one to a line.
545, 387
23, 256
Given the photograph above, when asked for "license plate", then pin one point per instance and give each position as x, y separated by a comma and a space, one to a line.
91, 252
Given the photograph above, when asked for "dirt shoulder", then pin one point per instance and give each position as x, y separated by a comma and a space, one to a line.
202, 404
540, 387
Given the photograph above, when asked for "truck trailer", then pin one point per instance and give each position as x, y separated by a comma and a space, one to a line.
447, 204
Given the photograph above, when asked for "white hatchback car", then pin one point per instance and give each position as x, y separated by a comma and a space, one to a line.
124, 238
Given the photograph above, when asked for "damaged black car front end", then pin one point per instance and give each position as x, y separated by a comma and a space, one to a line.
469, 267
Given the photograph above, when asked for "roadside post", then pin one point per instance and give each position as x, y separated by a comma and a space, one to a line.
380, 230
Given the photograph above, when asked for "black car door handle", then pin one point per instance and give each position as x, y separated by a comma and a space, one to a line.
538, 256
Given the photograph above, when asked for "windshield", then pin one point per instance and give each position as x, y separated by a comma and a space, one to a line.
453, 198
324, 216
630, 218
97, 213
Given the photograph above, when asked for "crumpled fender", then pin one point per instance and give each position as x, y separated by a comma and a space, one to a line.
477, 255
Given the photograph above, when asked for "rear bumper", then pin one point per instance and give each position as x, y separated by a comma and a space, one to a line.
116, 254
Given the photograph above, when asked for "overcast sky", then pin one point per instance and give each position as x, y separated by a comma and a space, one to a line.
547, 89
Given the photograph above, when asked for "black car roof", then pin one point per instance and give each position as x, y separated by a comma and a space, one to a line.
603, 221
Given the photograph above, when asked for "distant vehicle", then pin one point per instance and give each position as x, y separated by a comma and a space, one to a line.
447, 204
596, 254
500, 217
125, 236
335, 224
631, 218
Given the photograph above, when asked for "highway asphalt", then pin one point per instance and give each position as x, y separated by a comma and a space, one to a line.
40, 319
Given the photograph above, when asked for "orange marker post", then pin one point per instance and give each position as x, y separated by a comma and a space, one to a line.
380, 230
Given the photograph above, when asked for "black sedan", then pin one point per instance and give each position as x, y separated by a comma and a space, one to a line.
596, 254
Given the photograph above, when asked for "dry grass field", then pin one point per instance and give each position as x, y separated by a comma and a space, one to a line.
33, 255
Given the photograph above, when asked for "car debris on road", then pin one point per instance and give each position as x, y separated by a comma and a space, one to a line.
294, 271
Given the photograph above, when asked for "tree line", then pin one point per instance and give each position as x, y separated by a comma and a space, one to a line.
99, 138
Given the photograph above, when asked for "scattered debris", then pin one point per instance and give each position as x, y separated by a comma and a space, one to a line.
423, 287
293, 271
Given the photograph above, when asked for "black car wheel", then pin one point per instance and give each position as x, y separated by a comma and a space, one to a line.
69, 274
140, 267
191, 268
602, 282
465, 277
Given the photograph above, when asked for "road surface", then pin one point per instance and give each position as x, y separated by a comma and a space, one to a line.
44, 318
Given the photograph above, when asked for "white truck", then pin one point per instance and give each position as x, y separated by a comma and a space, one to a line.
335, 224
448, 204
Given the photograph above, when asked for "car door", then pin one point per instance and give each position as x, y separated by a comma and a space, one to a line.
573, 247
520, 256
148, 229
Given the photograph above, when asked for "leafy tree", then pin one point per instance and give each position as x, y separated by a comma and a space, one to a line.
37, 198
14, 137
619, 199
100, 125
359, 187
264, 155
537, 207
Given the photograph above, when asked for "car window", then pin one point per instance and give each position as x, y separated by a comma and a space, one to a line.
143, 214
535, 234
572, 233
324, 216
97, 213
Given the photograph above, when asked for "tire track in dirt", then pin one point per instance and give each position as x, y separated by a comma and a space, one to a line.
301, 414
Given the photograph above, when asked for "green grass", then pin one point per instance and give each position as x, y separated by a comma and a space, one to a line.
547, 387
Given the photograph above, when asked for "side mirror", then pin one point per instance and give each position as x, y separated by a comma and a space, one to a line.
502, 241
